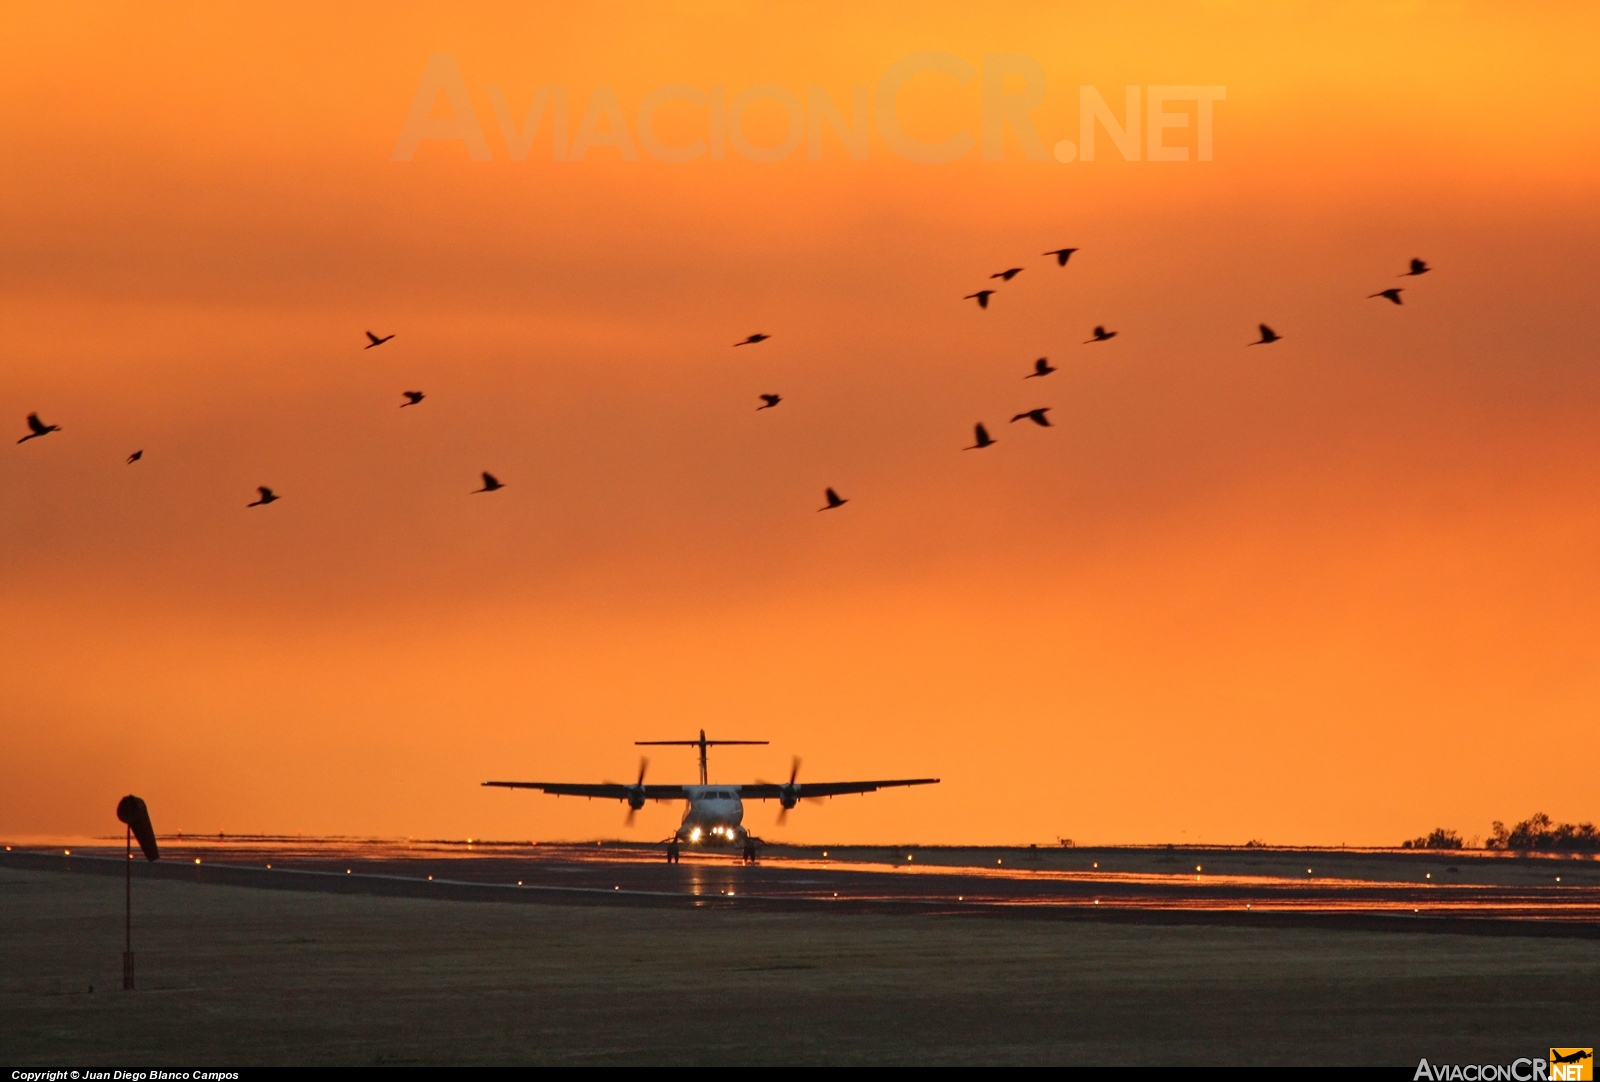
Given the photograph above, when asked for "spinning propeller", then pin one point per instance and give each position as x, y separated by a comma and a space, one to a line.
790, 794
636, 793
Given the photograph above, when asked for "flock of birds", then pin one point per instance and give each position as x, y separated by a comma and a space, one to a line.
1042, 367
981, 437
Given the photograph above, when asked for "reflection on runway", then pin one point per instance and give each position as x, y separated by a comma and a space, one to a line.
1106, 883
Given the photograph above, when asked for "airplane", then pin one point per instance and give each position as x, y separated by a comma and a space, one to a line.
713, 814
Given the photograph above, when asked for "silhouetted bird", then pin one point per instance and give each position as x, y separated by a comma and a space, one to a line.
1417, 267
1041, 367
980, 434
1101, 335
753, 339
834, 500
267, 496
1062, 255
1387, 294
490, 483
37, 428
982, 297
412, 398
1036, 416
136, 456
376, 341
770, 400
1007, 275
1268, 336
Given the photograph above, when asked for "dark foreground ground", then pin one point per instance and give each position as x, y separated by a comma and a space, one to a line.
238, 975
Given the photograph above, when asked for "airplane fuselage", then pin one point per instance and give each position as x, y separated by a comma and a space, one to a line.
713, 815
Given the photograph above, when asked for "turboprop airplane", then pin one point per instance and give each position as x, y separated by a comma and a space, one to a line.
714, 814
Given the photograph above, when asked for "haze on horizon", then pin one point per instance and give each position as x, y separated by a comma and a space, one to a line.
1341, 590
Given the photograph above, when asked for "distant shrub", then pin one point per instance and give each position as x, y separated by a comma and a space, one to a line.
1255, 843
1538, 833
1439, 839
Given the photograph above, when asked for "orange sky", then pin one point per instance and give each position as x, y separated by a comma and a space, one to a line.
1342, 589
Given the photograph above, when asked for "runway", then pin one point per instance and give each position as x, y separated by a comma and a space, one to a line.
1447, 891
345, 951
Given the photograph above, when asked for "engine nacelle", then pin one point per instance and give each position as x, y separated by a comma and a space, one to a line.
636, 797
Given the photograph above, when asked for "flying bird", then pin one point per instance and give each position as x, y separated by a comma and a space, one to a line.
374, 340
1036, 416
267, 496
1041, 367
982, 297
1101, 335
1268, 336
1007, 275
412, 398
37, 428
1417, 267
834, 500
136, 456
753, 339
1387, 294
982, 436
491, 483
1062, 255
770, 400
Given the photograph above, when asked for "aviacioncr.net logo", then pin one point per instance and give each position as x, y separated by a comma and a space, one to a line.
1563, 1065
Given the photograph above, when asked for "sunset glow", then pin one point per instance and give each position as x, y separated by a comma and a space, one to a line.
1342, 589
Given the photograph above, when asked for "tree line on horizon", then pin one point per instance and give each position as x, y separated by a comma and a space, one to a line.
1537, 833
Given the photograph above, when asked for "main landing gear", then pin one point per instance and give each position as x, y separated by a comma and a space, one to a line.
749, 851
672, 851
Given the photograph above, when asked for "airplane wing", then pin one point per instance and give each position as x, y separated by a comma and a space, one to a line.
807, 789
603, 791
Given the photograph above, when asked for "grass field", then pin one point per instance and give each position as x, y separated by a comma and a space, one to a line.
231, 976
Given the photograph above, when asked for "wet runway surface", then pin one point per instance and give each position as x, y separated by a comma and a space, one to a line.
1461, 891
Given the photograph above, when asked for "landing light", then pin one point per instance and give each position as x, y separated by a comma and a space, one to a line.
197, 860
